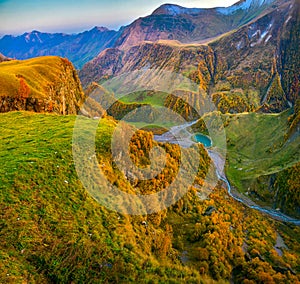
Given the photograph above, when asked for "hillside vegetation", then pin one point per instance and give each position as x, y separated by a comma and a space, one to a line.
43, 84
53, 231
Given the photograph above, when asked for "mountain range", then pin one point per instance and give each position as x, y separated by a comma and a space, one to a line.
79, 48
259, 57
169, 22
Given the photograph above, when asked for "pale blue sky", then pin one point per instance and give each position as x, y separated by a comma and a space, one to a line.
19, 16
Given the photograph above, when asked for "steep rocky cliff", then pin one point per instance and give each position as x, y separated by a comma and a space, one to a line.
262, 56
44, 84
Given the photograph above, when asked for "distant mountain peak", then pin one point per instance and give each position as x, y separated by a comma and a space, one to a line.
33, 36
244, 5
100, 29
174, 10
3, 58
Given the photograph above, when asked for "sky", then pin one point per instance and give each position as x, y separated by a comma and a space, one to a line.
72, 16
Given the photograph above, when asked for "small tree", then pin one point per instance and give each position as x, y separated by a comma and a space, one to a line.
50, 106
24, 89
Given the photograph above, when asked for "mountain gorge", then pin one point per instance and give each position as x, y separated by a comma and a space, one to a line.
238, 220
53, 231
254, 68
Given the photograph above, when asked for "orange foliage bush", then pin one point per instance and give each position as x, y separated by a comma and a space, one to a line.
24, 89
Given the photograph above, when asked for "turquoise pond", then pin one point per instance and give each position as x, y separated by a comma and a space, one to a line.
202, 139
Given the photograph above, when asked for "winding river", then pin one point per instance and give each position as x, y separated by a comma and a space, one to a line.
181, 136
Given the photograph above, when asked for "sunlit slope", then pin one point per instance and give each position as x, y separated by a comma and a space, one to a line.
43, 84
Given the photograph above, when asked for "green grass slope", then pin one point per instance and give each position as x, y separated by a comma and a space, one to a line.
151, 97
260, 145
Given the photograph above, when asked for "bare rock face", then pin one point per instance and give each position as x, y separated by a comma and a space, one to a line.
257, 63
263, 55
52, 85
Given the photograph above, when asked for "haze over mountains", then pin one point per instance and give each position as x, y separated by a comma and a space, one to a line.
167, 22
79, 48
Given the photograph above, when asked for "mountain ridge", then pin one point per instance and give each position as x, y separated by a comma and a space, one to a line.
176, 23
248, 58
175, 9
78, 48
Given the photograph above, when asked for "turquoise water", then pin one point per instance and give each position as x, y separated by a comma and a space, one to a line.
202, 139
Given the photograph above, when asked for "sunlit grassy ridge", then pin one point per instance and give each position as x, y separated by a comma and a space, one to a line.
39, 73
153, 98
43, 84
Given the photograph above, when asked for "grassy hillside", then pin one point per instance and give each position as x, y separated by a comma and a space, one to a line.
41, 84
52, 231
260, 145
257, 146
138, 108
